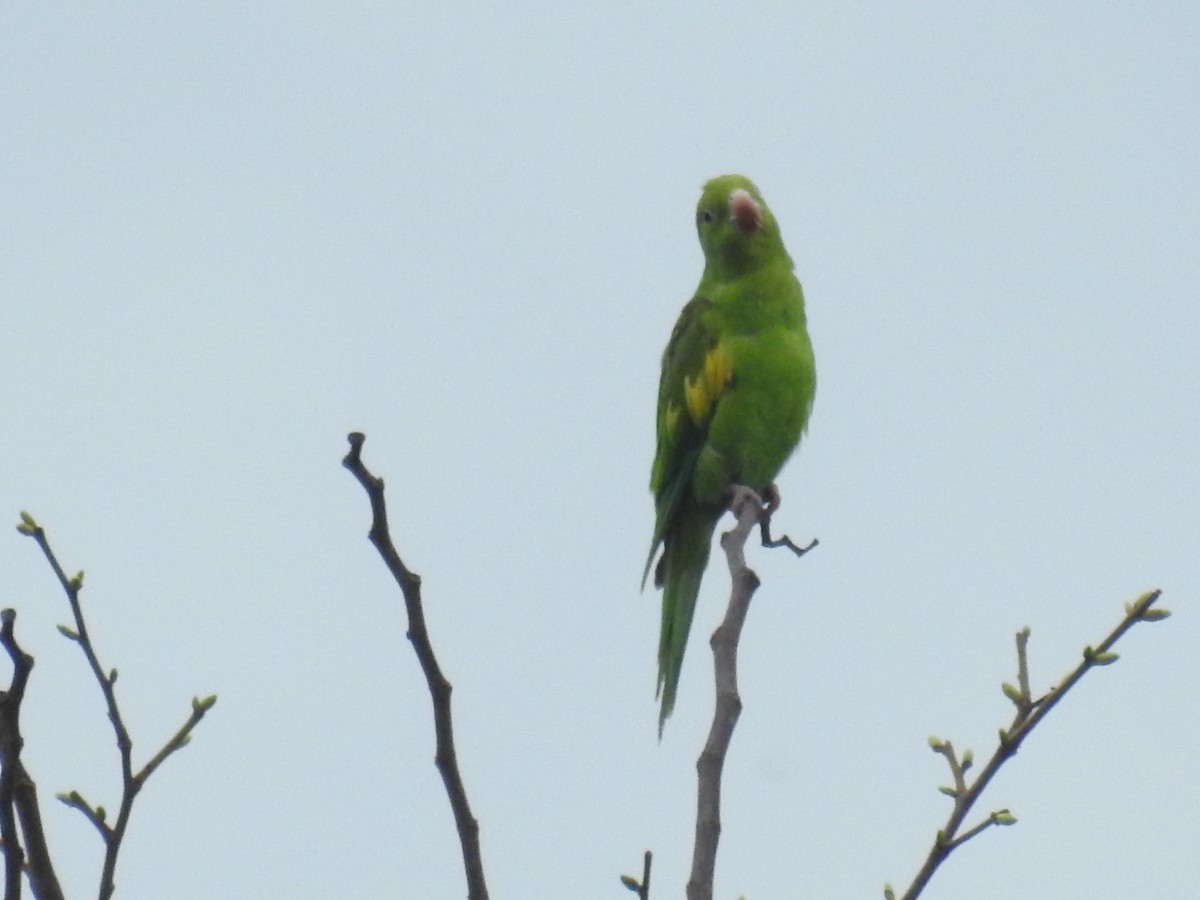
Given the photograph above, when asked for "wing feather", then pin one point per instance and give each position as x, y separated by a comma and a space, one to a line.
696, 371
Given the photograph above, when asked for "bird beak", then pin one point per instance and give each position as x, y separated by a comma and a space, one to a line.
745, 211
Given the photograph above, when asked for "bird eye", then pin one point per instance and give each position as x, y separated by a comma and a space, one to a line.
707, 216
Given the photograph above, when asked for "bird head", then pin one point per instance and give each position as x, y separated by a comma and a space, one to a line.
737, 230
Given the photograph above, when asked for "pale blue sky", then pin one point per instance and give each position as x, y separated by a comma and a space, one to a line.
230, 234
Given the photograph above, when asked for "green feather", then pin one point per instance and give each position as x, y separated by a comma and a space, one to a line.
681, 569
736, 390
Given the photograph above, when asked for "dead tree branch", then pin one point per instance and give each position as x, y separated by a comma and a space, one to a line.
445, 758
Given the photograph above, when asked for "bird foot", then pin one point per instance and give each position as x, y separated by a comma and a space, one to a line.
765, 505
772, 500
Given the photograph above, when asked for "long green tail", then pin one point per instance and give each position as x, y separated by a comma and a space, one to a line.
680, 570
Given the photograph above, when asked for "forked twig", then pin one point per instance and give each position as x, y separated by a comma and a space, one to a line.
1029, 712
131, 782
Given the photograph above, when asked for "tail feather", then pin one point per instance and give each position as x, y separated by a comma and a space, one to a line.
684, 558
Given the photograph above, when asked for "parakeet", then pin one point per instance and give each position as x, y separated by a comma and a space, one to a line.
737, 386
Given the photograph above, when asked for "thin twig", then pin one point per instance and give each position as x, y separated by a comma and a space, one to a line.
112, 836
445, 758
641, 888
1029, 713
131, 783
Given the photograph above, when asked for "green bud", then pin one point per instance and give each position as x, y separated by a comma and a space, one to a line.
948, 791
27, 519
1146, 599
1155, 614
77, 581
967, 759
1105, 658
936, 743
112, 677
888, 893
1004, 817
68, 632
101, 813
1011, 692
204, 705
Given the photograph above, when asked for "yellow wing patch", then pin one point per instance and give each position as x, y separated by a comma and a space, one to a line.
701, 393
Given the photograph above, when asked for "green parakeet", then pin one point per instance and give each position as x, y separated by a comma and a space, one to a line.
737, 386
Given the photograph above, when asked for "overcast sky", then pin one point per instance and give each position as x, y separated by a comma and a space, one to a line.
232, 233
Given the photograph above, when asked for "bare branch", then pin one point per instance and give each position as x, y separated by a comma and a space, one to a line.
17, 789
10, 752
445, 758
131, 783
749, 510
1029, 713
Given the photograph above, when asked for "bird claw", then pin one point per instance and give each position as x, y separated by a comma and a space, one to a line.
765, 505
771, 503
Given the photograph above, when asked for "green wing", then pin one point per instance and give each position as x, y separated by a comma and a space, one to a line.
681, 435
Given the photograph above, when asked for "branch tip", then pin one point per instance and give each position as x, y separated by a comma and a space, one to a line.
445, 756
